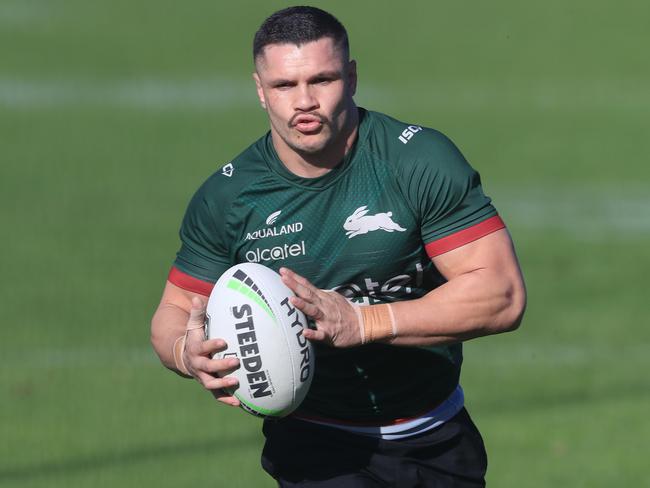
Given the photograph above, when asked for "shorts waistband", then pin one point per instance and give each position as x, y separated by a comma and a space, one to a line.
404, 427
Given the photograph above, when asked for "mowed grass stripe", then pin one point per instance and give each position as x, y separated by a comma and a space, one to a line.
127, 456
144, 94
583, 212
562, 94
496, 355
79, 356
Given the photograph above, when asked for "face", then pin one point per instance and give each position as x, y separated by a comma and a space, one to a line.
307, 92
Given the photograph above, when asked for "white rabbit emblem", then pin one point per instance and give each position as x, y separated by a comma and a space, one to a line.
359, 223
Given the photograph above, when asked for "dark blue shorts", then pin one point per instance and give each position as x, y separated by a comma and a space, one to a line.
303, 454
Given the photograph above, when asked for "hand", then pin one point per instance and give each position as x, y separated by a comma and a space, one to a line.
337, 323
197, 357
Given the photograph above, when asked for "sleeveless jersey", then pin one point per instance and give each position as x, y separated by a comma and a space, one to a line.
367, 229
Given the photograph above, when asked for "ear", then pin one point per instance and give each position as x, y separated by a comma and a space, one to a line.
360, 212
352, 76
260, 92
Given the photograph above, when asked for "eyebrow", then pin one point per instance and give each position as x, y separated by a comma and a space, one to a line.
326, 74
329, 75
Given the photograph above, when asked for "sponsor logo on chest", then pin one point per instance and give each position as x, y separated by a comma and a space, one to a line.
369, 289
274, 231
279, 252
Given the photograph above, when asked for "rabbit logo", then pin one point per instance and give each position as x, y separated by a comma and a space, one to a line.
359, 223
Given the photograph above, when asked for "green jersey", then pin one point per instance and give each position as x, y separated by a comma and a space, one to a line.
367, 229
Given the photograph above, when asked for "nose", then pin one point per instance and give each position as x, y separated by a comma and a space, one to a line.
305, 101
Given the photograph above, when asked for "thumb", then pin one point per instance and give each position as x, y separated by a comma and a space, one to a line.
197, 314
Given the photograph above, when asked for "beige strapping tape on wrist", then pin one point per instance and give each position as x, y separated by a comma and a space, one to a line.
179, 347
376, 322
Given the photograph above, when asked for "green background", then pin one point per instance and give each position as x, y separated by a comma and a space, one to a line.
113, 112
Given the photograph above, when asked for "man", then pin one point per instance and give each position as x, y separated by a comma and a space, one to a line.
400, 258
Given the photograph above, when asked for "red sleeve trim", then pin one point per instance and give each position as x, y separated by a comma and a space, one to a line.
189, 283
465, 236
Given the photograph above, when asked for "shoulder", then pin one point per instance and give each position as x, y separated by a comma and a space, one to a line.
412, 149
222, 188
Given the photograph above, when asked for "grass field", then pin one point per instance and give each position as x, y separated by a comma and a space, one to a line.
111, 114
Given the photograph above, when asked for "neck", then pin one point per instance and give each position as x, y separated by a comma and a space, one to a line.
312, 165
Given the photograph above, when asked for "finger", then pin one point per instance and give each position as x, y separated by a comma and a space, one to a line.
211, 346
302, 281
197, 357
221, 367
195, 328
229, 400
315, 335
305, 291
197, 313
210, 382
225, 397
299, 278
309, 309
220, 383
288, 279
198, 346
202, 377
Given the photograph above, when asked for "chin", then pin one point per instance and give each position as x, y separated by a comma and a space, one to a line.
310, 147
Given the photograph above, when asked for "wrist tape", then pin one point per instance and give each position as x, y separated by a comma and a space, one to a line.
179, 347
376, 322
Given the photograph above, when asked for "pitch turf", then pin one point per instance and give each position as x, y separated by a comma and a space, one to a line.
111, 113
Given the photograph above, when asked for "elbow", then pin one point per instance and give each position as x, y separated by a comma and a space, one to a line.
155, 336
515, 306
512, 307
153, 339
516, 317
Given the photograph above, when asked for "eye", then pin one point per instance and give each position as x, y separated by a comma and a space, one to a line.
283, 85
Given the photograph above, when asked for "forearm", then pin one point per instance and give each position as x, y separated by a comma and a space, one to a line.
167, 325
474, 304
484, 294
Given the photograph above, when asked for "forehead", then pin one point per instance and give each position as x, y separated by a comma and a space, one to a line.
292, 59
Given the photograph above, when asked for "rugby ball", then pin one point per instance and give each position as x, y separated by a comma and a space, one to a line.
249, 308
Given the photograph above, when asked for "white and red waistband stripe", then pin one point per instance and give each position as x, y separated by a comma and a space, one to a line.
404, 427
465, 236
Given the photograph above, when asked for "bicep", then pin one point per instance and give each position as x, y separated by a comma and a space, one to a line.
170, 321
173, 310
493, 252
176, 296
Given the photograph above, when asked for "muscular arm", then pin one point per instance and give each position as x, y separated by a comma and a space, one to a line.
182, 312
170, 321
484, 295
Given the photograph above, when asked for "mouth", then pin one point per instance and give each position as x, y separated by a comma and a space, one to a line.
307, 124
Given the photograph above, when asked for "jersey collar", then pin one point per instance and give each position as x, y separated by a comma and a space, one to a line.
320, 182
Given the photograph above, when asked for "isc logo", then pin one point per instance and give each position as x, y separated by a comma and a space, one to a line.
408, 133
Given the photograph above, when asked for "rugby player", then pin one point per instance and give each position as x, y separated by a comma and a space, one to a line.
382, 230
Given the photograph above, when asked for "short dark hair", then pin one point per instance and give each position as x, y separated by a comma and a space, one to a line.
299, 25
